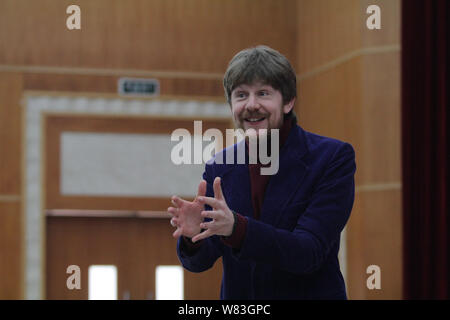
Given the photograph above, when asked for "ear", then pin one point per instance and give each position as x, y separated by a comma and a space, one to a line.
288, 106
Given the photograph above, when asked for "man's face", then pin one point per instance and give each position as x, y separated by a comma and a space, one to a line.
258, 106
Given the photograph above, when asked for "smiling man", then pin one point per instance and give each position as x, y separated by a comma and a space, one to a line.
258, 106
278, 235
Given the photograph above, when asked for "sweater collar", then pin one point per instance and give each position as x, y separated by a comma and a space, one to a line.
285, 129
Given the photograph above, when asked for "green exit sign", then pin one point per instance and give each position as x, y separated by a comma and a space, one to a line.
138, 87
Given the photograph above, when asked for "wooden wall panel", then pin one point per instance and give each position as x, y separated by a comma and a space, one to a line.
389, 34
329, 104
382, 212
332, 29
11, 254
196, 35
327, 29
135, 246
381, 119
10, 133
369, 108
374, 237
86, 241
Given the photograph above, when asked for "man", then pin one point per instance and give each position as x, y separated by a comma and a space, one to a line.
278, 235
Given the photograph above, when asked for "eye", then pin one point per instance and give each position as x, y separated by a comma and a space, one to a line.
263, 93
240, 94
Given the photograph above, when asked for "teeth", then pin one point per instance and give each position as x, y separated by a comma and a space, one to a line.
255, 120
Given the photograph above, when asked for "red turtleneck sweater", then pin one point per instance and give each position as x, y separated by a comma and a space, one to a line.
258, 184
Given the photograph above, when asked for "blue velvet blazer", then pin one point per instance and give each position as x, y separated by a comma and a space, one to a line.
291, 252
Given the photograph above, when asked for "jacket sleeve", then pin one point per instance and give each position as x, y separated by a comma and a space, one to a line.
201, 257
306, 248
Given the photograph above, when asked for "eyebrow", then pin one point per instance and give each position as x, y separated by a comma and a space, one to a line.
263, 87
238, 90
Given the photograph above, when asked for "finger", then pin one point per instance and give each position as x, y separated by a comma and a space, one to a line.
173, 211
174, 222
178, 233
207, 225
201, 189
217, 188
205, 234
177, 202
215, 203
212, 214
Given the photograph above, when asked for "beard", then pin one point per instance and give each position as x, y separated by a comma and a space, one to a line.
259, 137
252, 129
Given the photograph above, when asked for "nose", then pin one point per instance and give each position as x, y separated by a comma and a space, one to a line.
252, 103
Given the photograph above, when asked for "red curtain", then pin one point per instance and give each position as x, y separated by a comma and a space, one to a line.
425, 148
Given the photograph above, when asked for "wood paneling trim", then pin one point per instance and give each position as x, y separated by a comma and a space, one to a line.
106, 95
98, 83
347, 57
10, 198
55, 200
379, 187
108, 214
111, 72
57, 123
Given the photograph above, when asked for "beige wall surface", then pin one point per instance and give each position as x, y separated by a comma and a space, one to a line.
349, 89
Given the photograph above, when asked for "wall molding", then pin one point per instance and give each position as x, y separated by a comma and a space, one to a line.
168, 74
347, 57
108, 214
106, 95
379, 187
162, 74
10, 197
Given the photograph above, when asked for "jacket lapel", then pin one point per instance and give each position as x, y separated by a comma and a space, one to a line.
283, 185
236, 188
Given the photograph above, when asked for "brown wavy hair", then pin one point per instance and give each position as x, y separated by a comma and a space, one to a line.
263, 64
